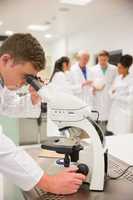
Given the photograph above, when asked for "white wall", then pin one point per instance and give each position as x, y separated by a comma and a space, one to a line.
58, 48
110, 33
116, 33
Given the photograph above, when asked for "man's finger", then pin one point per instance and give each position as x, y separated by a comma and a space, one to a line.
80, 176
71, 169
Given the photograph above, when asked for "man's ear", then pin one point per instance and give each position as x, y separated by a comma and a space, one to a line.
6, 58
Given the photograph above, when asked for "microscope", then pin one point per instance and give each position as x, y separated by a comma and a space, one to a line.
68, 111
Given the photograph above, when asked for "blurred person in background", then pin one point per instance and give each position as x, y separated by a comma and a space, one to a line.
103, 76
81, 74
121, 115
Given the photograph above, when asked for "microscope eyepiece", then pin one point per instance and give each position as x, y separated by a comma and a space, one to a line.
33, 81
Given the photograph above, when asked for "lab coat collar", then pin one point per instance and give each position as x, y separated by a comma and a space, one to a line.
98, 65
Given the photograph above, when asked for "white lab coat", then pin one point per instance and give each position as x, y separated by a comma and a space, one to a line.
15, 163
62, 82
121, 115
76, 78
59, 83
102, 100
131, 70
14, 106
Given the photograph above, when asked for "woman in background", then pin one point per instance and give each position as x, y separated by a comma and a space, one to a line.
121, 115
59, 78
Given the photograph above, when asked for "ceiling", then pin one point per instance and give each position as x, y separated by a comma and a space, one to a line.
63, 19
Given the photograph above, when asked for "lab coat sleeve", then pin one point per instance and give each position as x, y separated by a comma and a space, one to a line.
111, 89
61, 82
124, 95
15, 106
128, 99
111, 94
17, 165
113, 82
76, 88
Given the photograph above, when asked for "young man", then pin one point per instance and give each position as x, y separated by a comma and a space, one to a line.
20, 55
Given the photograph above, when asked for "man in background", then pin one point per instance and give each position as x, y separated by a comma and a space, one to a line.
103, 76
80, 76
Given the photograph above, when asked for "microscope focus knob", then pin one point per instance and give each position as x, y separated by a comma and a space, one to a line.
83, 169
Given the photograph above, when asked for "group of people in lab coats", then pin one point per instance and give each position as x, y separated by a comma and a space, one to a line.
106, 88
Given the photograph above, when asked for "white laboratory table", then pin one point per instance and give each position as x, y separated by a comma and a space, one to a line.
121, 147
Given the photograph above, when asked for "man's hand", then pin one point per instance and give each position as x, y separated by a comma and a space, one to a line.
87, 83
97, 88
35, 98
65, 182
